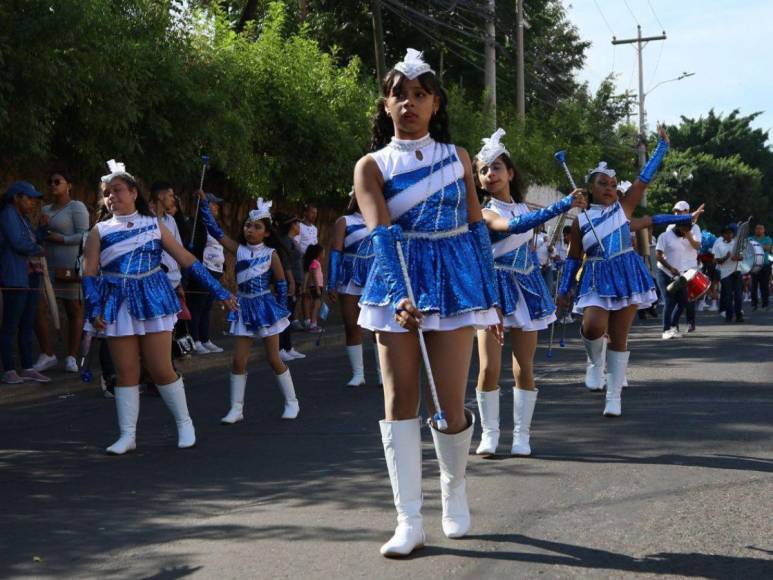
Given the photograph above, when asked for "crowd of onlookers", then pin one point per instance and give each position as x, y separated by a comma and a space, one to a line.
41, 244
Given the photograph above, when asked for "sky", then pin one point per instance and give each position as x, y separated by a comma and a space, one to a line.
725, 43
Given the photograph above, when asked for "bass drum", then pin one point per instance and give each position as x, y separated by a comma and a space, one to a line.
753, 258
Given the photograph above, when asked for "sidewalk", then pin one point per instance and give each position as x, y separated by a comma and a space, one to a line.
65, 384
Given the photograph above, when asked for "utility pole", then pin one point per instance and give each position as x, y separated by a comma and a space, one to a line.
378, 41
490, 70
521, 87
641, 42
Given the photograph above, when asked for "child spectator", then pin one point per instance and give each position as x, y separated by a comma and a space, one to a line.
312, 285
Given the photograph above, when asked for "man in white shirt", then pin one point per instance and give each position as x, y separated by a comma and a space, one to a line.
162, 196
731, 283
692, 243
308, 234
673, 259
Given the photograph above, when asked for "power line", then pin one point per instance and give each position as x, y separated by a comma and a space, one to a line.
604, 18
657, 64
631, 11
656, 15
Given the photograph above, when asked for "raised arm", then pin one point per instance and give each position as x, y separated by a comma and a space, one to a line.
636, 191
571, 266
213, 228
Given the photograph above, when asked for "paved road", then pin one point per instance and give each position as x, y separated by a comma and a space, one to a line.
680, 486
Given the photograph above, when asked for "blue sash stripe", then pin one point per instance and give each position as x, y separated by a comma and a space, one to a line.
242, 265
403, 181
120, 236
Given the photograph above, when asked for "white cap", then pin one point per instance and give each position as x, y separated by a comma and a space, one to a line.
681, 206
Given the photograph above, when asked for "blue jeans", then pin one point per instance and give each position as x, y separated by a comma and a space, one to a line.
673, 304
19, 309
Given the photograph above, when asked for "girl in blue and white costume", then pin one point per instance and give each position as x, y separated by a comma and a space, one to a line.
615, 282
260, 313
524, 298
351, 256
130, 301
418, 181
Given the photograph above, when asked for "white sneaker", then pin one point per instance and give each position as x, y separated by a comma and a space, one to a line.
714, 307
45, 362
676, 333
667, 334
70, 364
199, 348
295, 354
285, 356
211, 346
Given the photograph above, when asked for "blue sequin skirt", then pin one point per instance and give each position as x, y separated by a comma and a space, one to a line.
447, 275
618, 282
260, 311
533, 289
146, 298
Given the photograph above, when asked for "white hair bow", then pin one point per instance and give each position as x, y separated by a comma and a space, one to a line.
602, 168
115, 168
624, 186
413, 64
263, 210
492, 147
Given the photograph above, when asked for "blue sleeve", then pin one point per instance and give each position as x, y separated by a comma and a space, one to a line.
568, 274
386, 260
281, 293
649, 170
201, 275
523, 223
334, 270
664, 219
213, 228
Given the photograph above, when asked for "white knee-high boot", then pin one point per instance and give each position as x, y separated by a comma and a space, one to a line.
358, 367
402, 451
452, 453
238, 386
173, 395
523, 410
617, 363
127, 407
594, 373
292, 408
488, 408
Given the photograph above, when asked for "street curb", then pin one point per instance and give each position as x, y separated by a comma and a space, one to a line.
66, 385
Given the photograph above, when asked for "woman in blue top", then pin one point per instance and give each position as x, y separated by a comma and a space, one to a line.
130, 301
351, 256
524, 298
20, 280
416, 179
615, 282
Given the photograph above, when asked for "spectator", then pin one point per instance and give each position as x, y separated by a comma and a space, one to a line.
289, 227
21, 278
163, 201
761, 279
312, 285
730, 293
308, 234
66, 221
200, 301
691, 241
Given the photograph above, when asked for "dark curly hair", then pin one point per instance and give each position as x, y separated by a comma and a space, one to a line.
382, 126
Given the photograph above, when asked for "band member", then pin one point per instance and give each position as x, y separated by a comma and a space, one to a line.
351, 256
130, 300
614, 282
260, 313
418, 180
761, 278
524, 296
731, 282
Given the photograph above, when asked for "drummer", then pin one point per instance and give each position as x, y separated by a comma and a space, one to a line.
677, 252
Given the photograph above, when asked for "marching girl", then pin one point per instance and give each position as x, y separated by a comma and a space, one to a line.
351, 257
129, 299
524, 298
260, 313
418, 180
615, 282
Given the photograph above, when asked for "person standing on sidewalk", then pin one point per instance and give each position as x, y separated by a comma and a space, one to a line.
131, 301
21, 279
307, 235
761, 278
416, 179
289, 228
730, 279
351, 257
66, 222
260, 313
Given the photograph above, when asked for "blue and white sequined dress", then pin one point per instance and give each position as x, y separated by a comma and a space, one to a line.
259, 313
426, 195
523, 295
135, 294
615, 277
357, 258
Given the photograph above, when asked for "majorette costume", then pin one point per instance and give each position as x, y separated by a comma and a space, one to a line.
347, 274
614, 277
133, 296
450, 266
523, 297
260, 313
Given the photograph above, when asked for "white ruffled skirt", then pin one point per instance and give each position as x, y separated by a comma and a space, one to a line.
382, 319
521, 318
239, 329
127, 325
641, 299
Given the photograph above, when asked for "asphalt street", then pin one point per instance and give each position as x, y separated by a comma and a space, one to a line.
680, 486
